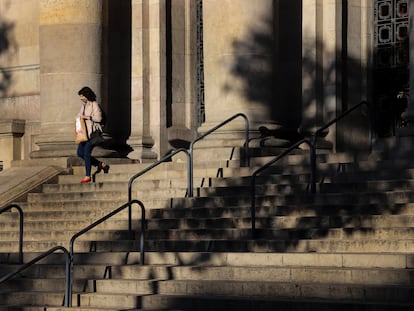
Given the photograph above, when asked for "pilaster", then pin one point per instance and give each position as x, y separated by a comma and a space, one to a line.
234, 61
140, 139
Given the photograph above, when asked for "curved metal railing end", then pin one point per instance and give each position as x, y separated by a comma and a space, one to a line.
68, 292
101, 220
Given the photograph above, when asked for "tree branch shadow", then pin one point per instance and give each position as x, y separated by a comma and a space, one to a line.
6, 45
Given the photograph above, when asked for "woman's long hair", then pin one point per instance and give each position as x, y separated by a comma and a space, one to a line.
88, 93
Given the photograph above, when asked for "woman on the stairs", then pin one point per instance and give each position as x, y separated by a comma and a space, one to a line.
91, 113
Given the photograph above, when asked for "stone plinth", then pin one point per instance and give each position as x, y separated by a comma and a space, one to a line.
11, 132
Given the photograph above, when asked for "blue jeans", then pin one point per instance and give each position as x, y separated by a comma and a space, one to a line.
84, 152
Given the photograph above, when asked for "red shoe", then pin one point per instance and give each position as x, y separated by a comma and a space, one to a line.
86, 180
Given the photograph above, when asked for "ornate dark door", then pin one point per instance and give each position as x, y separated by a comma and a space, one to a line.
391, 59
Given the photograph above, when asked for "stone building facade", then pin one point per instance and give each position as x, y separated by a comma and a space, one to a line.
167, 70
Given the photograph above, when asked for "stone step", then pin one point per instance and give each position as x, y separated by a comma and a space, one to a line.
159, 173
115, 186
68, 206
91, 272
292, 290
204, 219
185, 303
287, 222
78, 196
260, 189
179, 187
283, 179
154, 259
109, 300
172, 208
284, 227
110, 233
254, 290
179, 164
48, 285
99, 276
54, 226
286, 234
88, 215
299, 245
316, 275
224, 245
244, 199
375, 278
204, 303
171, 188
368, 186
224, 197
94, 235
87, 258
348, 210
33, 298
378, 174
181, 172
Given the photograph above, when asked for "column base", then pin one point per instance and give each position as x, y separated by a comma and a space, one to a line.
141, 149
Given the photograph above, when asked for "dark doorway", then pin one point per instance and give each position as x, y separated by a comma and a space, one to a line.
117, 68
391, 59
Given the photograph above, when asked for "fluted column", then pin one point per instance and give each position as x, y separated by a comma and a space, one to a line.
70, 56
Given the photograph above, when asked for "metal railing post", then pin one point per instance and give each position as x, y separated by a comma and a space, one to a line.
312, 156
245, 146
261, 169
150, 167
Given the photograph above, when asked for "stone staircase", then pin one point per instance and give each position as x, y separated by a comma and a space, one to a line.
349, 247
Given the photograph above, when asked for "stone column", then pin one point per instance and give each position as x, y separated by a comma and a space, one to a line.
320, 49
235, 58
140, 139
148, 132
181, 72
70, 58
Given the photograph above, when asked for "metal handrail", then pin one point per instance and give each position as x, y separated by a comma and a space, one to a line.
344, 114
246, 144
19, 209
312, 145
261, 169
68, 300
99, 221
150, 167
333, 121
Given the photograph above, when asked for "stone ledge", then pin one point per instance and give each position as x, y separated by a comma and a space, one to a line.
12, 127
16, 182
